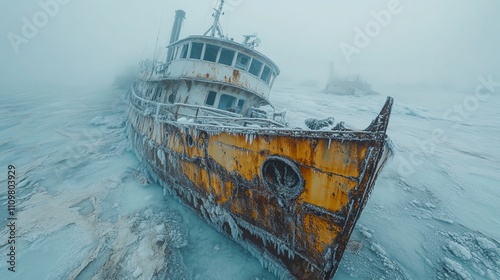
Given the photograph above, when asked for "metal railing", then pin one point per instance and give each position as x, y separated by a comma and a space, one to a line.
197, 114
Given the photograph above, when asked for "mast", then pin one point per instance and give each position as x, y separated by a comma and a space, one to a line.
216, 27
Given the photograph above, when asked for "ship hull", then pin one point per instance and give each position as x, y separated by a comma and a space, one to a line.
290, 197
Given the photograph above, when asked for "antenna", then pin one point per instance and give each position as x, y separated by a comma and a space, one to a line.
158, 35
216, 27
156, 44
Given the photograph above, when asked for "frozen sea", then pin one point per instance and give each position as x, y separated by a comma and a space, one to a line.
86, 209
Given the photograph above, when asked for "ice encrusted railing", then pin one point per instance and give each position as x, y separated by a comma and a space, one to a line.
197, 114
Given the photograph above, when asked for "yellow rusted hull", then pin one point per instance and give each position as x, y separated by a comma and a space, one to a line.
290, 196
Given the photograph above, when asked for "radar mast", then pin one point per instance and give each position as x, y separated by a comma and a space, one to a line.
216, 27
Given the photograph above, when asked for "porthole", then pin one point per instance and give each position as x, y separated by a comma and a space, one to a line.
282, 177
202, 135
189, 140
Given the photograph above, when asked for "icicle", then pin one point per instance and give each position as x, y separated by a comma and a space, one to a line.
161, 156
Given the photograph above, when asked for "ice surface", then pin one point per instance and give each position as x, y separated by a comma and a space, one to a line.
459, 251
88, 209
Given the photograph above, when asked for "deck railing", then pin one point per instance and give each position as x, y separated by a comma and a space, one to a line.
196, 113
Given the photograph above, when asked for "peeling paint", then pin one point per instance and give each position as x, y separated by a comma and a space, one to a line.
222, 167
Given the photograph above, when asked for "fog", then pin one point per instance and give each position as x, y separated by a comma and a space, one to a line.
434, 43
82, 195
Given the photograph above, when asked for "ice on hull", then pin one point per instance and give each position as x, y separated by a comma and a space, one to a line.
241, 180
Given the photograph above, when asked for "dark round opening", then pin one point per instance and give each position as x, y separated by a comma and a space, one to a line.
282, 177
189, 140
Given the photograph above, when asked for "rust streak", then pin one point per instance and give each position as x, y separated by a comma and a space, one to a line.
236, 75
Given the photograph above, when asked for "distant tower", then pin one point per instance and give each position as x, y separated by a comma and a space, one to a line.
332, 71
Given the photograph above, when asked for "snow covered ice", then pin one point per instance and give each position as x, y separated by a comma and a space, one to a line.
87, 209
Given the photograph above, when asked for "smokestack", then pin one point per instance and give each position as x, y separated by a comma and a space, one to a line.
176, 30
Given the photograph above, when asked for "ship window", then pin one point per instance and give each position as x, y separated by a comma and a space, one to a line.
239, 108
273, 76
226, 102
171, 98
266, 74
196, 49
149, 91
156, 93
242, 61
174, 54
255, 67
184, 52
211, 98
226, 57
211, 52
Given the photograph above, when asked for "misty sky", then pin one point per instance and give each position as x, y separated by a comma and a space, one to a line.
430, 42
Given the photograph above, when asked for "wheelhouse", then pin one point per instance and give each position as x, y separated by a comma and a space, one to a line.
224, 61
212, 72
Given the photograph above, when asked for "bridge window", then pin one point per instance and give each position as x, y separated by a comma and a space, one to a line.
226, 57
211, 53
226, 102
242, 61
184, 52
196, 50
255, 67
266, 74
174, 53
211, 98
273, 76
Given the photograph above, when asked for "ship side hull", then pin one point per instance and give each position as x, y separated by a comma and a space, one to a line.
290, 197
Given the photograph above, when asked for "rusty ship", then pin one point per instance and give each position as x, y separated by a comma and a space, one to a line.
203, 126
